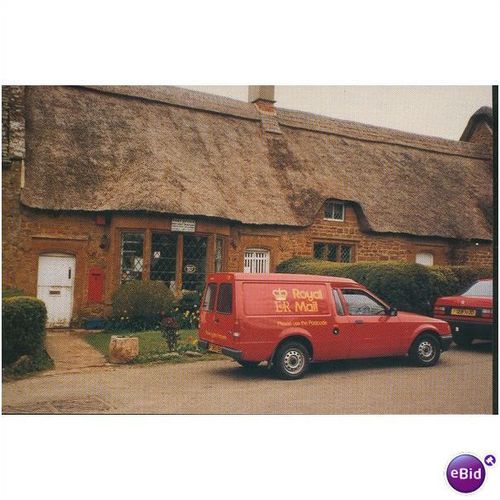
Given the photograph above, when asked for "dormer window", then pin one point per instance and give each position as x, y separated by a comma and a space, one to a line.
334, 210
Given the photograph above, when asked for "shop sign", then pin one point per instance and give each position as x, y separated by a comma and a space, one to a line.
183, 225
189, 268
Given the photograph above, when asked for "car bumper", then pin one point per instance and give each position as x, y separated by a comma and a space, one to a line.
475, 330
445, 341
227, 351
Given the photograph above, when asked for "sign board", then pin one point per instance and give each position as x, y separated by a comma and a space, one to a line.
189, 268
183, 225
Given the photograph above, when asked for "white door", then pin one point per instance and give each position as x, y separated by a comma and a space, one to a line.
256, 261
56, 275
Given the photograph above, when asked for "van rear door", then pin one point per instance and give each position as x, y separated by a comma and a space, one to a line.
217, 315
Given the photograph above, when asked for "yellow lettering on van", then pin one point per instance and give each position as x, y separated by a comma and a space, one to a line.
307, 295
303, 306
282, 307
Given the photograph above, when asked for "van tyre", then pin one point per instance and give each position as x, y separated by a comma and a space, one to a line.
425, 350
248, 365
291, 361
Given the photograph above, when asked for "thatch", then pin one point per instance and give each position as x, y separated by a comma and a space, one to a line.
168, 150
483, 114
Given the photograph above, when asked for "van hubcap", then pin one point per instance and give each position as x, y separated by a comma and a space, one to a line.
426, 350
293, 361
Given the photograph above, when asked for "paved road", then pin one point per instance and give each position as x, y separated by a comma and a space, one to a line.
460, 383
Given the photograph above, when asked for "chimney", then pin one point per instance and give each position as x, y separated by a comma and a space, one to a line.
263, 98
261, 93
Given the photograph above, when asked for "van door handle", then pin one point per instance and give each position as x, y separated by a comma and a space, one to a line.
358, 322
336, 330
216, 320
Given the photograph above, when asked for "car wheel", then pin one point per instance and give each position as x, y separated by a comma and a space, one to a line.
462, 339
291, 361
249, 365
425, 350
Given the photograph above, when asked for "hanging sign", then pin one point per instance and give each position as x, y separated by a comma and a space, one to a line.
183, 225
189, 268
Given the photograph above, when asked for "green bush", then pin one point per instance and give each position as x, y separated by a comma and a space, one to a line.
12, 292
23, 327
137, 305
407, 286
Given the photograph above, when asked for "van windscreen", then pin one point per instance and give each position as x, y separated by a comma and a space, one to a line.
209, 299
225, 298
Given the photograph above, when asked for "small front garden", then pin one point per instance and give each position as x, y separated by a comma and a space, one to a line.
166, 326
153, 346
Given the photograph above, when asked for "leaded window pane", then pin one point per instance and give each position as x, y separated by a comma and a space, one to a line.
163, 257
345, 254
132, 261
194, 262
219, 245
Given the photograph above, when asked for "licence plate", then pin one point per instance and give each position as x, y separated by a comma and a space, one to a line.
463, 312
215, 348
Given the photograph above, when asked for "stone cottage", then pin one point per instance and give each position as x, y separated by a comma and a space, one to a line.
106, 184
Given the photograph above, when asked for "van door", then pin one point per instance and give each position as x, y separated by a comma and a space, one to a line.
371, 331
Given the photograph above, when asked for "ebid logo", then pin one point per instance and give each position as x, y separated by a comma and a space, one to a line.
466, 473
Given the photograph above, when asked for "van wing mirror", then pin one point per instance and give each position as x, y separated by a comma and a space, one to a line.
391, 311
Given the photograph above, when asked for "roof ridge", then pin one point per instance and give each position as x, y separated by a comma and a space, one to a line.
178, 96
376, 133
203, 101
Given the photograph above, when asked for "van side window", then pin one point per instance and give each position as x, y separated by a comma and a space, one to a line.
338, 303
209, 299
361, 304
225, 298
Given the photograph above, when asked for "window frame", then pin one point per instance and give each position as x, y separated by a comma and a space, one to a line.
255, 250
338, 253
122, 232
333, 203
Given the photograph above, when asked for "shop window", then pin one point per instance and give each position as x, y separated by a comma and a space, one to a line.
163, 258
219, 254
256, 260
132, 261
333, 251
334, 210
194, 261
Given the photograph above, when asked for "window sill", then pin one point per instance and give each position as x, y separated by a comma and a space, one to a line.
334, 220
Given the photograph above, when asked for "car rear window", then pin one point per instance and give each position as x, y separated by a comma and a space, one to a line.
225, 298
209, 299
480, 289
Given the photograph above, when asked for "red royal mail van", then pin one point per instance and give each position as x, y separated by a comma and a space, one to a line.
290, 320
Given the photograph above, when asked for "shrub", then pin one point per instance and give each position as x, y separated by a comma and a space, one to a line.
137, 305
407, 286
187, 310
23, 327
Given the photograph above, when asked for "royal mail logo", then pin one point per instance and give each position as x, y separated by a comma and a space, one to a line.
280, 294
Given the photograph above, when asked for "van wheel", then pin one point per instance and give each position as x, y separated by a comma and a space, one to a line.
291, 361
425, 350
249, 365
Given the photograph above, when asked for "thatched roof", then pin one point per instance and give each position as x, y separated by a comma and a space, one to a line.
170, 150
483, 114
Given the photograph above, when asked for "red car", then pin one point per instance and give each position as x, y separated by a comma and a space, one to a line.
290, 320
470, 315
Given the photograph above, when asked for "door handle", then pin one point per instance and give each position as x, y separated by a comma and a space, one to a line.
336, 330
358, 322
69, 273
216, 320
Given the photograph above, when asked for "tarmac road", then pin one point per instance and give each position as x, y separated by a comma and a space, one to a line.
460, 383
